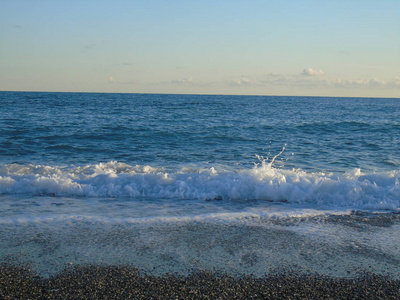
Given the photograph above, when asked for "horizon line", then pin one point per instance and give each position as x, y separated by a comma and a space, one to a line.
204, 94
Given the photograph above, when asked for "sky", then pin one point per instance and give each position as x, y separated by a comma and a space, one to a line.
292, 47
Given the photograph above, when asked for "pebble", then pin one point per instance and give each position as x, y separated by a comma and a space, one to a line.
124, 282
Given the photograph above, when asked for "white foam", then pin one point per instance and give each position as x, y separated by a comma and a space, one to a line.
161, 246
354, 189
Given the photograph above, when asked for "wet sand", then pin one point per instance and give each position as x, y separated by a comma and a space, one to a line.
121, 282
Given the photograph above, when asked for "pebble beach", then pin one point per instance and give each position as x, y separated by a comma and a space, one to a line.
122, 282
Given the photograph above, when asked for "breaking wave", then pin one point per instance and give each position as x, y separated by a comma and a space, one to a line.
353, 189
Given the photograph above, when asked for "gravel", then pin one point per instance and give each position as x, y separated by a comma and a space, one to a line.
125, 282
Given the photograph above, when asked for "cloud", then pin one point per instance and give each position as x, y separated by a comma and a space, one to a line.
290, 80
313, 78
184, 81
370, 83
187, 82
243, 81
274, 79
112, 79
312, 72
395, 82
310, 78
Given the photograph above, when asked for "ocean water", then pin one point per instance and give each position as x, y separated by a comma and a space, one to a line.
176, 183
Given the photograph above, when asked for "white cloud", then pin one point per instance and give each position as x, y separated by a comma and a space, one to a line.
112, 79
310, 78
312, 72
371, 83
395, 82
185, 81
243, 81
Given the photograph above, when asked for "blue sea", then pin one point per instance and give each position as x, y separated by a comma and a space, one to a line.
176, 183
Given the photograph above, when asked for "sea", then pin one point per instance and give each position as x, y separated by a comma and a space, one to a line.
181, 183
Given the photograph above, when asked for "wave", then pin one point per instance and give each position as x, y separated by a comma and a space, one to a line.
353, 189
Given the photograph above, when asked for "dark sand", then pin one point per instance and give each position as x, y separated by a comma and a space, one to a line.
118, 282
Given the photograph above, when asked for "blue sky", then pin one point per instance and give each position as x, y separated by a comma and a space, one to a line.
313, 47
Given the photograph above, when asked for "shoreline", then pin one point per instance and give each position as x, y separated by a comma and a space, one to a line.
126, 282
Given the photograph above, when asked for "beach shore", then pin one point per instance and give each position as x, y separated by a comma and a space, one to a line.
124, 282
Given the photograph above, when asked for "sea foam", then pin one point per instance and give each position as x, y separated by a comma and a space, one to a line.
353, 189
